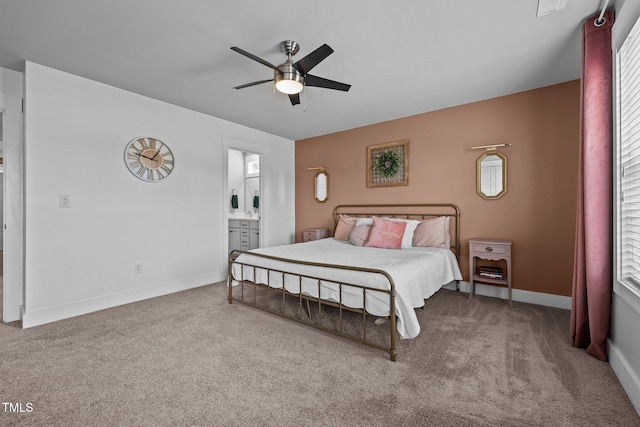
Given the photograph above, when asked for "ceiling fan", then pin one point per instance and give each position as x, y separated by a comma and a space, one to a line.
291, 77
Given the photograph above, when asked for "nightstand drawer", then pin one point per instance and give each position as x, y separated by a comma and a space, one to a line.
488, 248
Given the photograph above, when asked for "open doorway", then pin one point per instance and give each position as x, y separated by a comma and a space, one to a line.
1, 195
11, 208
244, 201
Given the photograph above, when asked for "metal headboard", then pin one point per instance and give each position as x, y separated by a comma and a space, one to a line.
419, 211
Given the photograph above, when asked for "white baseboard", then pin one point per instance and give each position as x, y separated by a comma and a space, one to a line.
625, 374
530, 297
53, 314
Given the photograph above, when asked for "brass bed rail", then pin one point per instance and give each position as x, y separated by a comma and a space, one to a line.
391, 292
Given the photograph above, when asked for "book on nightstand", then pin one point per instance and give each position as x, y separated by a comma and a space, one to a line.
491, 272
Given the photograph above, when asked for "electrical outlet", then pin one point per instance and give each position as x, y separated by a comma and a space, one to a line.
137, 267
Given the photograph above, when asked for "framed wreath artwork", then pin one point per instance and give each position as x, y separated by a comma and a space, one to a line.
388, 164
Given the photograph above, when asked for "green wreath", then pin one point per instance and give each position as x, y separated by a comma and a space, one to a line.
388, 164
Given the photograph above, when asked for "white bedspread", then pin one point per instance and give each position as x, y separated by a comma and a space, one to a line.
417, 273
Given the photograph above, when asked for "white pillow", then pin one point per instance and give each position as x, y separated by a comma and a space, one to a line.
364, 221
407, 237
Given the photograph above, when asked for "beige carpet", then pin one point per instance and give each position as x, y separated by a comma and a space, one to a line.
191, 359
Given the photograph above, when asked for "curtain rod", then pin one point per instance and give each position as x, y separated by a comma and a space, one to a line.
601, 19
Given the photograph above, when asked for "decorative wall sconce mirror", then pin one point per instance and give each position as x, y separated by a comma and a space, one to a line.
321, 186
491, 181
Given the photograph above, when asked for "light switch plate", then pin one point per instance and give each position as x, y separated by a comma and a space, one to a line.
65, 201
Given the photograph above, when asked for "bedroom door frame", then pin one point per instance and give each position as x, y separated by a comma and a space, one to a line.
230, 143
13, 288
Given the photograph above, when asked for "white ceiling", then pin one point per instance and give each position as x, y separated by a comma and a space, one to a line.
401, 57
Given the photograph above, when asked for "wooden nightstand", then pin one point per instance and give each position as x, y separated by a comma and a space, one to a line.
309, 234
490, 249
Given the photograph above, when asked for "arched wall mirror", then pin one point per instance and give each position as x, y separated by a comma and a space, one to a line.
491, 180
321, 187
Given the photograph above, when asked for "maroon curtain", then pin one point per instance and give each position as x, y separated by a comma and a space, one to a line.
592, 273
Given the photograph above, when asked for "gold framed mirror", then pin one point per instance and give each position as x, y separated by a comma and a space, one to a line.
321, 186
491, 175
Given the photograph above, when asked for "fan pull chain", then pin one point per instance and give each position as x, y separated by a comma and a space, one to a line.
304, 99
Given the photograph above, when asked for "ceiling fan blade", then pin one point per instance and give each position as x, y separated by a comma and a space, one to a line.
295, 98
314, 58
253, 84
316, 81
252, 56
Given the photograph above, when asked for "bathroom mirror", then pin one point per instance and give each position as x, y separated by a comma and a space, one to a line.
321, 187
491, 180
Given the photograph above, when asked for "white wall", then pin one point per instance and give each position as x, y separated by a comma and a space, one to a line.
624, 339
11, 83
82, 259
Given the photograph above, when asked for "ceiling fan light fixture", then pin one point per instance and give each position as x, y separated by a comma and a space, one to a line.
288, 79
290, 87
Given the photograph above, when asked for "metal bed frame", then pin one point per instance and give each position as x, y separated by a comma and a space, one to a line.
410, 211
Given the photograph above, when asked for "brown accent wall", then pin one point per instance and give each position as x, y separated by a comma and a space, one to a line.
538, 211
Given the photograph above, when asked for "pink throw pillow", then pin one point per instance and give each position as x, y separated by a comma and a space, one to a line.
433, 233
344, 227
386, 234
359, 235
